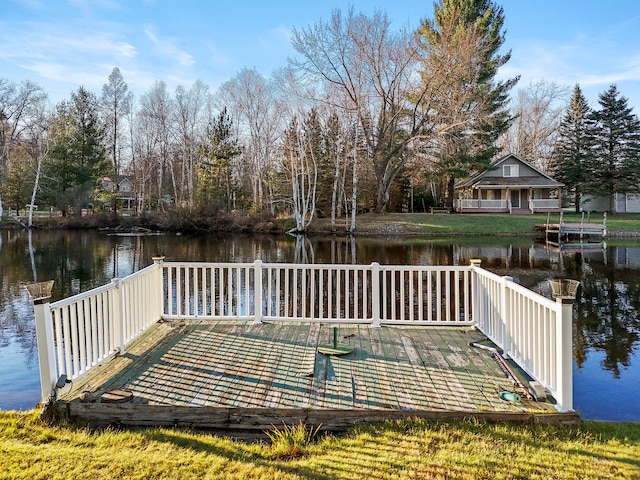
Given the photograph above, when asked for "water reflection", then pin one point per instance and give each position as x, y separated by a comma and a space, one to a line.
606, 325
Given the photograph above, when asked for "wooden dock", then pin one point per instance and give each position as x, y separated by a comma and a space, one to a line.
562, 233
245, 377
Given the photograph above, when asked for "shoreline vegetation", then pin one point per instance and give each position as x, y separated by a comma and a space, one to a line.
414, 449
370, 224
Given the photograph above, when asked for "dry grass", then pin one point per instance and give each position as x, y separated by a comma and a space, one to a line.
402, 450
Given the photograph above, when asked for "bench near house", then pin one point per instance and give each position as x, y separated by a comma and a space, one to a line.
511, 185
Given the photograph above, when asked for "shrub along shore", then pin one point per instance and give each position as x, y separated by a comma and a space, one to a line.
390, 224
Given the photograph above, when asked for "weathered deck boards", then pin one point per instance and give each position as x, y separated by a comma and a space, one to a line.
251, 375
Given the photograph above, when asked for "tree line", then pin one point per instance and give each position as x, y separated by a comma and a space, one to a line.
364, 118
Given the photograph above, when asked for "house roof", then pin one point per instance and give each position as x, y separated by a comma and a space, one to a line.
480, 180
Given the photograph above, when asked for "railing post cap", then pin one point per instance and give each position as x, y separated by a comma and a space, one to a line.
39, 292
475, 261
157, 258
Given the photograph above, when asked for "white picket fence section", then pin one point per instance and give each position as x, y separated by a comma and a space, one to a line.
78, 333
529, 328
373, 293
93, 326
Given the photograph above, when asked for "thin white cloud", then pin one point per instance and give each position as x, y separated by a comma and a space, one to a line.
167, 48
594, 62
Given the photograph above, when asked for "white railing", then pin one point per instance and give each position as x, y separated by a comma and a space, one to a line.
530, 329
475, 203
78, 333
320, 293
95, 325
543, 203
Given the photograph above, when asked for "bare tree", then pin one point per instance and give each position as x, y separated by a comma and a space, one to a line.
190, 119
39, 146
20, 106
301, 164
116, 103
538, 112
154, 118
371, 67
255, 109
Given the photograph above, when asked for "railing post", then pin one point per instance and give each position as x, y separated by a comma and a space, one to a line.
375, 294
46, 349
564, 355
475, 303
40, 294
158, 287
257, 291
505, 305
118, 310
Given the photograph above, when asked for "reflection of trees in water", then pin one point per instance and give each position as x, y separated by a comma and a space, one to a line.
606, 310
607, 313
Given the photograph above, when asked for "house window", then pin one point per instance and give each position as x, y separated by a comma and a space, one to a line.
510, 170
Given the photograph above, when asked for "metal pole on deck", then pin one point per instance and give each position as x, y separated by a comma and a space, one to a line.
40, 294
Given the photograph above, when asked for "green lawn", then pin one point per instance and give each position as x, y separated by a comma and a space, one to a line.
31, 449
474, 224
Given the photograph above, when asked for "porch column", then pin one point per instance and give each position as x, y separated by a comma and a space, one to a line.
508, 199
560, 198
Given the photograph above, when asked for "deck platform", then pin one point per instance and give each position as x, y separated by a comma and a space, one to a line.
241, 376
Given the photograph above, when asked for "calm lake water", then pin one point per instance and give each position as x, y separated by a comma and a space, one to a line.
606, 314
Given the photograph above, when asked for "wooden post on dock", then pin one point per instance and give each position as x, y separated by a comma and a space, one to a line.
40, 294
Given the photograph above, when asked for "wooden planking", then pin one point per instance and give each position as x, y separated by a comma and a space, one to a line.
258, 420
276, 366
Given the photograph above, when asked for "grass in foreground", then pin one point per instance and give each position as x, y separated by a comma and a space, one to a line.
402, 450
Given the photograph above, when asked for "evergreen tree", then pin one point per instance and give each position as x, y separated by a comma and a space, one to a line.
78, 159
615, 164
217, 186
572, 150
461, 62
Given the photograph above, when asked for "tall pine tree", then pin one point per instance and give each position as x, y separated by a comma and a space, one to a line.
572, 151
78, 159
615, 164
461, 60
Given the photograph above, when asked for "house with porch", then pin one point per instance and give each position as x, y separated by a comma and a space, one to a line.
122, 187
510, 185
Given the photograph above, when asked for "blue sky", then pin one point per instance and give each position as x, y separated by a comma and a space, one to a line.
61, 44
